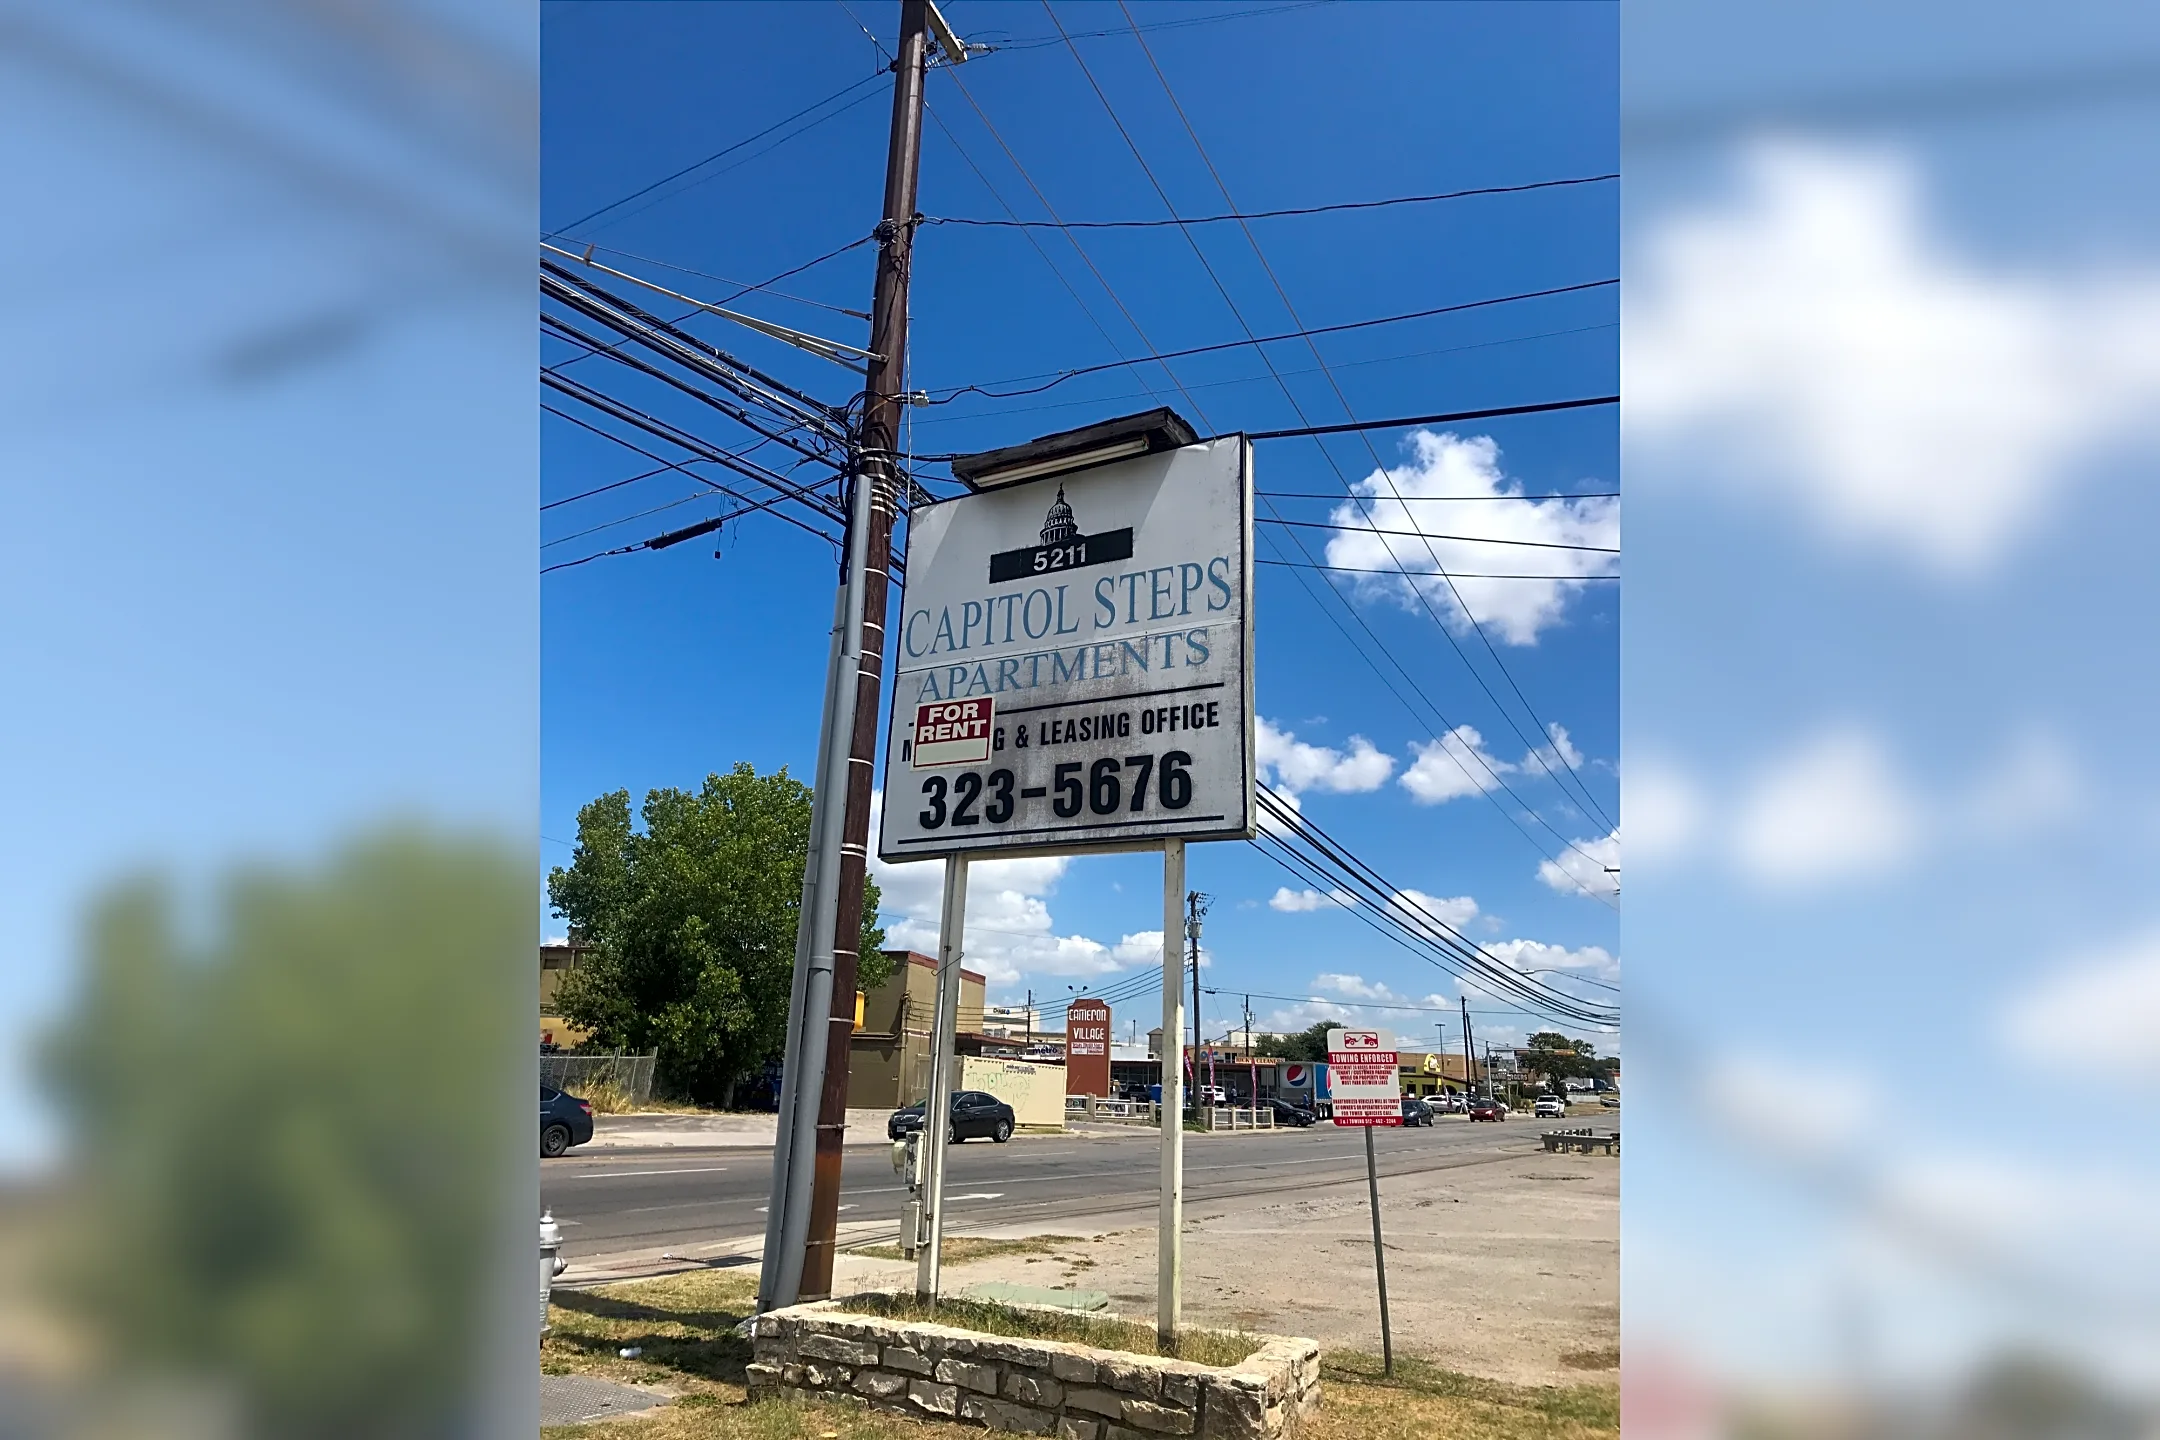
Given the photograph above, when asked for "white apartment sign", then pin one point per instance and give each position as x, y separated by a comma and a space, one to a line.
1074, 662
1364, 1078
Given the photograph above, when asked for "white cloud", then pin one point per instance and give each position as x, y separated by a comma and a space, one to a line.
1419, 910
1448, 465
1664, 809
1292, 902
1357, 987
1527, 955
1585, 865
1560, 755
2102, 1003
1835, 809
1010, 931
1453, 766
1291, 765
1814, 339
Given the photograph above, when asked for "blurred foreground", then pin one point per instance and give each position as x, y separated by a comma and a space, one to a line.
1891, 367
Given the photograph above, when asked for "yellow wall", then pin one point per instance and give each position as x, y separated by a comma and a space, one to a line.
1035, 1092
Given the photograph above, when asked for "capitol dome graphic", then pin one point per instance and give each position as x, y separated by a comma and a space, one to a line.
1059, 526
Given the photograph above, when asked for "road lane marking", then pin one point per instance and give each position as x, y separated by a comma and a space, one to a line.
627, 1174
979, 1195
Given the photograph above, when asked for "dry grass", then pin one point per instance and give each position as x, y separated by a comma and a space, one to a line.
1421, 1399
685, 1326
1606, 1359
1104, 1332
959, 1249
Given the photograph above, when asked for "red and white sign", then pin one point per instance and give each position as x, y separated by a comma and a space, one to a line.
952, 732
1087, 1048
1363, 1077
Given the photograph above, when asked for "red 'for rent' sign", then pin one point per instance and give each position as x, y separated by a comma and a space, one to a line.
952, 732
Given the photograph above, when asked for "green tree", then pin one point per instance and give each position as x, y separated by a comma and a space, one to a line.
298, 1127
693, 922
1556, 1059
1309, 1044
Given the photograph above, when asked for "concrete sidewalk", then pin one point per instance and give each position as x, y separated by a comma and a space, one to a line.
705, 1131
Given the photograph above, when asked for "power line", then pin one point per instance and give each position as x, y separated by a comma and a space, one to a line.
668, 340
1100, 400
1348, 1004
1414, 575
837, 351
1282, 294
660, 469
1390, 910
765, 288
1037, 42
1266, 214
1446, 417
709, 453
1060, 377
725, 300
729, 150
1092, 319
1153, 354
1420, 499
1162, 359
623, 520
1430, 535
1238, 315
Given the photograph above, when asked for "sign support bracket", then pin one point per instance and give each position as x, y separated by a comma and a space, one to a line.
937, 1105
1170, 1212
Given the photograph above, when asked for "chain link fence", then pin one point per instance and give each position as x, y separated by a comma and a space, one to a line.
622, 1078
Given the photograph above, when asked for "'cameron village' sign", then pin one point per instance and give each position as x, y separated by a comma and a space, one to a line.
1074, 661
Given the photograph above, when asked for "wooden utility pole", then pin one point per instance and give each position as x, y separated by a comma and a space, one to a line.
876, 454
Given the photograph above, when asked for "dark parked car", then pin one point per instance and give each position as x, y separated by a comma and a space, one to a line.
1487, 1108
973, 1113
1295, 1116
1415, 1111
565, 1120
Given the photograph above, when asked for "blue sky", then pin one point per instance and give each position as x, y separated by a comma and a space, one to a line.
658, 668
1891, 374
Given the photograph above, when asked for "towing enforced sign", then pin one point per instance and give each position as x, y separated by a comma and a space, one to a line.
1074, 662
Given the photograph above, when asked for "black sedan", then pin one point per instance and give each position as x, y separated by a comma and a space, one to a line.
565, 1120
1415, 1111
1297, 1117
974, 1113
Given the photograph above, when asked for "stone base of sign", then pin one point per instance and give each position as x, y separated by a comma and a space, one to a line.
1030, 1387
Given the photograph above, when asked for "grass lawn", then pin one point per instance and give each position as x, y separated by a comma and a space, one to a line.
684, 1325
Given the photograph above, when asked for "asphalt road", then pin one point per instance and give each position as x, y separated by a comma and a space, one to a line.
630, 1200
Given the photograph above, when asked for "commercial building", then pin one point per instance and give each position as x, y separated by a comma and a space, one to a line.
557, 960
889, 1055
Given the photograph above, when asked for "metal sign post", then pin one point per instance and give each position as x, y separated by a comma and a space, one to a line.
937, 1105
1365, 1078
1170, 1213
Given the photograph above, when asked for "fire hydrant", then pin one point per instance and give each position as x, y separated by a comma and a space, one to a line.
551, 1261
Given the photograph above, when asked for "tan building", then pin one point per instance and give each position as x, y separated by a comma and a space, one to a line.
889, 1058
556, 961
